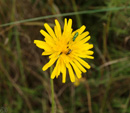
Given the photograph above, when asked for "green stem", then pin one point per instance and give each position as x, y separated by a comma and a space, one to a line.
77, 15
18, 43
66, 14
52, 94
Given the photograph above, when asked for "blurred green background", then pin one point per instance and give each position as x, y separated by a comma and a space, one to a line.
25, 88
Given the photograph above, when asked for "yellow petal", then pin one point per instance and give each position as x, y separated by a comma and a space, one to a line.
58, 64
80, 30
63, 73
87, 46
67, 29
83, 35
69, 24
63, 68
83, 47
90, 57
57, 29
82, 54
56, 70
79, 66
85, 64
46, 53
89, 52
64, 76
54, 55
48, 38
49, 64
85, 56
42, 45
84, 40
65, 24
50, 31
53, 74
76, 69
71, 73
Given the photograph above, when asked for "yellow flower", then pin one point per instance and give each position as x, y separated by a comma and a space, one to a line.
66, 49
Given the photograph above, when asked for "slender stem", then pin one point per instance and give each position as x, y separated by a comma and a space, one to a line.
67, 14
52, 94
77, 15
89, 97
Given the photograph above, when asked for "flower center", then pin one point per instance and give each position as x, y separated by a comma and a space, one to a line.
63, 47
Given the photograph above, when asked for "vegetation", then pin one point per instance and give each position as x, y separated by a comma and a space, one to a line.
25, 88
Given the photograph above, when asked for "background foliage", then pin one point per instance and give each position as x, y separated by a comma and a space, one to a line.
25, 88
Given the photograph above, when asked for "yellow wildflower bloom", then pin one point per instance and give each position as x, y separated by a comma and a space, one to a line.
66, 49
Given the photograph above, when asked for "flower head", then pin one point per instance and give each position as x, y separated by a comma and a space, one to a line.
66, 49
